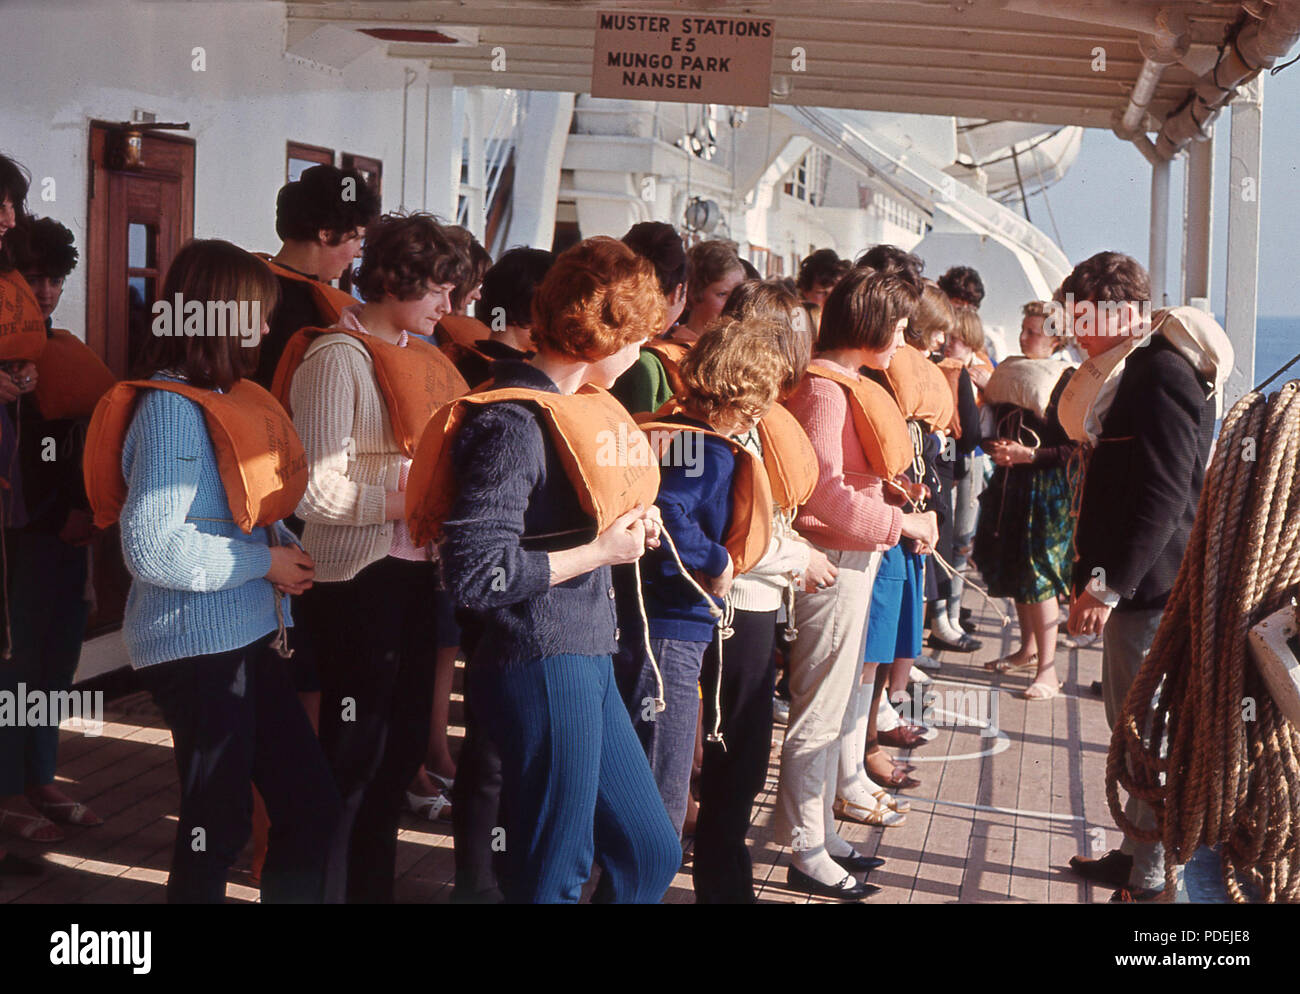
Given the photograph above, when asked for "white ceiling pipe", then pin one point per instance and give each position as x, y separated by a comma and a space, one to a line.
1161, 49
1258, 46
1110, 13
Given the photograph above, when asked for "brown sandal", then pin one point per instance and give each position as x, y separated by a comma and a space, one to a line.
897, 780
880, 816
1005, 665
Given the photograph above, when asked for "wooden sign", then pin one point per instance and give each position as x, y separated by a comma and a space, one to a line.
688, 58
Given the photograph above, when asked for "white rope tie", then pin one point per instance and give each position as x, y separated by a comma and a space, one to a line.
724, 631
281, 641
660, 704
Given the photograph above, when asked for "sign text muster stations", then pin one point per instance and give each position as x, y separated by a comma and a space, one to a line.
686, 58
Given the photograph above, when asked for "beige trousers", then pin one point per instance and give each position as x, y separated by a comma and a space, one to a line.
825, 667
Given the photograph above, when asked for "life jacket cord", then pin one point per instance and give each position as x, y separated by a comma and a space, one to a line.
660, 704
281, 641
724, 630
952, 571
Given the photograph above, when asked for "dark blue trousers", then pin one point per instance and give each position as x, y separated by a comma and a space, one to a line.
577, 786
235, 718
47, 581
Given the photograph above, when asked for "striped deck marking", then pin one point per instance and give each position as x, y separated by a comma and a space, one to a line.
1001, 744
993, 809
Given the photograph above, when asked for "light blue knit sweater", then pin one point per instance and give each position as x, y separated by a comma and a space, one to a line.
198, 585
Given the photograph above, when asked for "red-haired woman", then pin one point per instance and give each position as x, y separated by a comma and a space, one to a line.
577, 785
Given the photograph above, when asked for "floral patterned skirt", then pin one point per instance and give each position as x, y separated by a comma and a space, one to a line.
1023, 542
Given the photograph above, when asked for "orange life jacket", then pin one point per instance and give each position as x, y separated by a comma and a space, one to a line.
469, 360
788, 455
886, 442
462, 329
262, 463
921, 390
750, 531
604, 454
330, 300
789, 458
414, 381
670, 354
22, 326
70, 377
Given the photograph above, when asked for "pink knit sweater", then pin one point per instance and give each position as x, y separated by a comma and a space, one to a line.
847, 510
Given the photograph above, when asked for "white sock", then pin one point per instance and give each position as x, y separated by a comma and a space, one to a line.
836, 846
818, 864
886, 717
853, 743
954, 611
940, 626
858, 791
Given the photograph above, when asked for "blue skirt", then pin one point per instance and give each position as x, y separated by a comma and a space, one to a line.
897, 608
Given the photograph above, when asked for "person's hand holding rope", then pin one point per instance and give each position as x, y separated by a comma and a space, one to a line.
19, 378
1006, 452
719, 586
654, 526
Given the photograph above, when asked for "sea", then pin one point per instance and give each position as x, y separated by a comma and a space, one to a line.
1277, 340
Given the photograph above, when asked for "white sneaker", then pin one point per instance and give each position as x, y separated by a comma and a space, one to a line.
915, 675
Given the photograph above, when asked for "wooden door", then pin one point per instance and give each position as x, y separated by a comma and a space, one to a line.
139, 219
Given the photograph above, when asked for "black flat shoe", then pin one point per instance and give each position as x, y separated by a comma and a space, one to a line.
964, 644
796, 879
16, 866
858, 863
1112, 869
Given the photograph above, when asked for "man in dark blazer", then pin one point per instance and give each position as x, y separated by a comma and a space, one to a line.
1140, 491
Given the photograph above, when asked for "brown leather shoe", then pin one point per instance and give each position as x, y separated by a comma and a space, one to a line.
904, 736
897, 780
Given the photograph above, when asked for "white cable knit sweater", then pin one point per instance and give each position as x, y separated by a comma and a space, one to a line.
352, 456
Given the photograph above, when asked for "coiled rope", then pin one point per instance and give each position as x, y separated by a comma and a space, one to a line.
1225, 779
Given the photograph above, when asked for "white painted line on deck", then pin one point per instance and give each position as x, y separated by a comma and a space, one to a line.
996, 810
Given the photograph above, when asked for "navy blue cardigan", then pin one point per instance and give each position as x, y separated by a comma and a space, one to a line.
513, 486
695, 502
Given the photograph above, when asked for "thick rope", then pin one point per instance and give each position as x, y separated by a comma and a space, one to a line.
1226, 778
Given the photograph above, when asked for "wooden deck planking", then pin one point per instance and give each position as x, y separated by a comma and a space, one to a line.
954, 850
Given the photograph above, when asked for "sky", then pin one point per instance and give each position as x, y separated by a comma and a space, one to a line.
1103, 203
